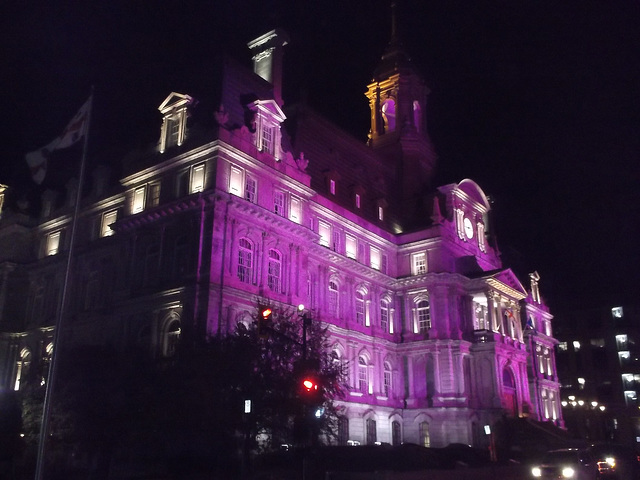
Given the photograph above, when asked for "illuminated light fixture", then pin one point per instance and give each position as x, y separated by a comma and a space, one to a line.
568, 472
572, 397
594, 404
581, 402
564, 403
602, 408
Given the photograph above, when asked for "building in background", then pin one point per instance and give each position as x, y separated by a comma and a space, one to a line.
255, 202
599, 368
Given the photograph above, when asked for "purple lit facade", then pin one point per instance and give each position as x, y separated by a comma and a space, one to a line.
439, 337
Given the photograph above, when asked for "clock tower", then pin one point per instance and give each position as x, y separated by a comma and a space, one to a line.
397, 98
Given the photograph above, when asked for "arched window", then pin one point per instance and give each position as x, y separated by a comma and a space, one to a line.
423, 314
46, 362
343, 430
387, 385
171, 337
22, 368
396, 433
338, 359
245, 261
372, 436
359, 308
510, 400
332, 300
425, 439
507, 379
274, 280
389, 115
363, 375
384, 315
417, 116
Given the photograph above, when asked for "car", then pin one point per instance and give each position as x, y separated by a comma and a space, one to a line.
616, 462
567, 463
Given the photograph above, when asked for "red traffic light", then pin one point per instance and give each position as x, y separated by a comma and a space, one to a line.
309, 385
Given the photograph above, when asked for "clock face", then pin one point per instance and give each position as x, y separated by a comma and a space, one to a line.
468, 228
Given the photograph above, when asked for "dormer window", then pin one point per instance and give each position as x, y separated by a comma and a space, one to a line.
268, 117
174, 120
267, 138
332, 186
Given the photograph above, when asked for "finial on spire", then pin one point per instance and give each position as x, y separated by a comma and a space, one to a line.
393, 21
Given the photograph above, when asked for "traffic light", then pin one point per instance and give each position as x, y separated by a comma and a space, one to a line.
310, 390
264, 321
309, 385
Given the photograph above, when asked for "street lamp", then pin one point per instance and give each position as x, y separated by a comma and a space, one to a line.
306, 319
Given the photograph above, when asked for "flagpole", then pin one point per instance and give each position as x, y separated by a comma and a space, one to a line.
57, 335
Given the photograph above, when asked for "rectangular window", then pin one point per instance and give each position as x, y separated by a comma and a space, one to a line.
250, 189
108, 219
324, 230
387, 383
359, 308
374, 258
138, 199
278, 203
358, 200
419, 263
384, 316
197, 179
267, 139
183, 183
235, 181
380, 213
53, 243
384, 264
295, 210
351, 247
154, 194
332, 187
336, 241
173, 131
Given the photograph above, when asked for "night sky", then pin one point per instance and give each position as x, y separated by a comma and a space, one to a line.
537, 101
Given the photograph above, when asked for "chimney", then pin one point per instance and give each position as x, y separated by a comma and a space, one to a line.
267, 59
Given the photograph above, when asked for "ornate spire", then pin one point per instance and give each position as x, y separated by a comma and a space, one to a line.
394, 56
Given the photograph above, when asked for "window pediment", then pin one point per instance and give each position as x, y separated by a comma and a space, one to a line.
173, 101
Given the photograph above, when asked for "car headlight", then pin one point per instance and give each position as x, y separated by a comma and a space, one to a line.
568, 472
536, 472
611, 461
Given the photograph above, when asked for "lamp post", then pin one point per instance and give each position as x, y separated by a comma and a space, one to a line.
306, 319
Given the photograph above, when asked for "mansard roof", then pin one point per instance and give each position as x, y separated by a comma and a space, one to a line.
331, 150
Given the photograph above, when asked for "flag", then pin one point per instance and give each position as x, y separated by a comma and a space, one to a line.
77, 127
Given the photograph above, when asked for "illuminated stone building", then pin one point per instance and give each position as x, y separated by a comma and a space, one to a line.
440, 337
